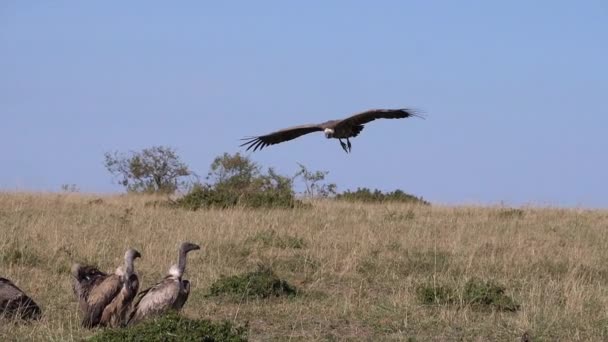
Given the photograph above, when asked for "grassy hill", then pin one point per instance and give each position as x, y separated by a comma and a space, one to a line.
361, 271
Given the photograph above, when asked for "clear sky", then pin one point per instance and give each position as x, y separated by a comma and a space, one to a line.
515, 92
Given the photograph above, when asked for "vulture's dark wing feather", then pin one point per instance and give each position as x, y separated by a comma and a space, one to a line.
373, 114
15, 302
286, 134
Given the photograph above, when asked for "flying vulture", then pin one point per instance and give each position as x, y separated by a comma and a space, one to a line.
104, 299
170, 293
14, 303
337, 129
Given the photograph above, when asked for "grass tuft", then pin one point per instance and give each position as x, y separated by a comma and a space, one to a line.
173, 327
261, 283
477, 294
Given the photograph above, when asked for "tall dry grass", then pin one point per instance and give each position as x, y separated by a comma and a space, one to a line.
358, 265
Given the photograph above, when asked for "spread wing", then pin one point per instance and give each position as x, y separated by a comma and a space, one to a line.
373, 114
279, 136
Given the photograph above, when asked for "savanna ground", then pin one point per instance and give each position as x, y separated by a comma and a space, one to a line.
360, 269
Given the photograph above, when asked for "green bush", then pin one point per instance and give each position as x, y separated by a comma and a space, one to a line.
488, 294
237, 181
173, 327
476, 293
262, 283
430, 295
209, 197
366, 195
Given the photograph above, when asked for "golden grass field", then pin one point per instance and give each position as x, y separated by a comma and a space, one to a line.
358, 265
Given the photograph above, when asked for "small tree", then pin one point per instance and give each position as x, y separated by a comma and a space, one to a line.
313, 182
157, 169
234, 172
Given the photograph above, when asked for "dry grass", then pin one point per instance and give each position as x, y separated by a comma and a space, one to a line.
358, 265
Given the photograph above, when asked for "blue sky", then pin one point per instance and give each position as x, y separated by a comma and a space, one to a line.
514, 92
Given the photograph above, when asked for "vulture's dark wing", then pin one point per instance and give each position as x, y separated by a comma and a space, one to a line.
15, 302
279, 136
99, 297
373, 114
156, 299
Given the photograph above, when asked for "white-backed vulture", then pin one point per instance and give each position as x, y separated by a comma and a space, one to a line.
14, 303
170, 293
105, 298
337, 129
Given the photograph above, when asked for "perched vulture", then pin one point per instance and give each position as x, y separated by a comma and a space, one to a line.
14, 303
337, 129
105, 298
170, 293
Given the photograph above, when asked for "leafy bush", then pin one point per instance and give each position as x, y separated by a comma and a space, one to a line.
262, 283
476, 293
237, 181
366, 195
173, 327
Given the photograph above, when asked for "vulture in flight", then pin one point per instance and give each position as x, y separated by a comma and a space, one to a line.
337, 129
170, 293
14, 303
105, 299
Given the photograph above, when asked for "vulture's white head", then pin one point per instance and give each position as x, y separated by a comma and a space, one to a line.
329, 133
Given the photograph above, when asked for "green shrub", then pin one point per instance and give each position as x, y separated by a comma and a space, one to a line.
173, 327
262, 283
366, 195
476, 293
488, 294
235, 180
208, 197
430, 294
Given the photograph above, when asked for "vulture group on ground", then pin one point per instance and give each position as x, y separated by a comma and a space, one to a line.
337, 129
106, 300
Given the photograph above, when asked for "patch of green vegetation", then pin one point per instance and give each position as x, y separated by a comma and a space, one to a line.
367, 195
173, 327
436, 295
270, 238
207, 197
261, 283
488, 294
476, 293
237, 181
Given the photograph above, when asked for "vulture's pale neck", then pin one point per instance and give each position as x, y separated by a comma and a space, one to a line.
179, 269
181, 261
130, 256
328, 132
